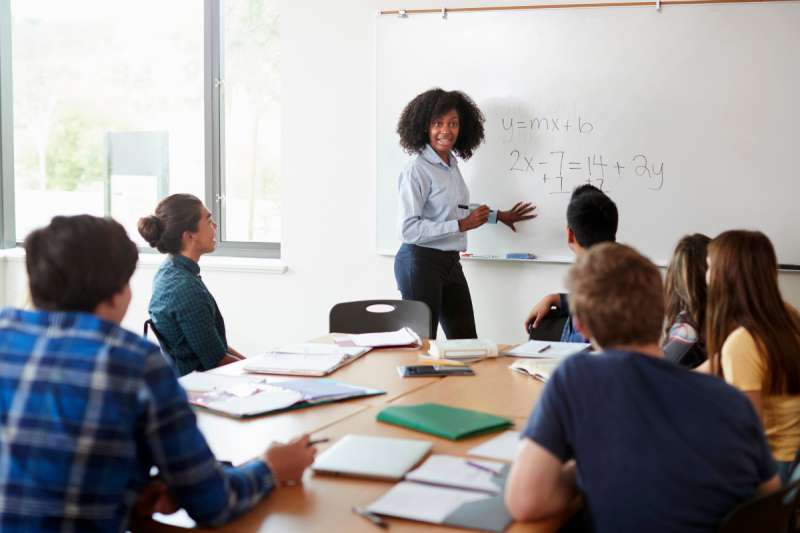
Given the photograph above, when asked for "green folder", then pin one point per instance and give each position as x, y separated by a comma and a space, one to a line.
448, 422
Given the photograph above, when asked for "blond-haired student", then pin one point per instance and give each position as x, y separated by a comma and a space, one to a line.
658, 447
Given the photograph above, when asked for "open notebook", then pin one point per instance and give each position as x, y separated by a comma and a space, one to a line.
540, 369
450, 491
306, 359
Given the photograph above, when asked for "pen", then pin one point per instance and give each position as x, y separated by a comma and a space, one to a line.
484, 468
440, 362
371, 516
545, 348
320, 441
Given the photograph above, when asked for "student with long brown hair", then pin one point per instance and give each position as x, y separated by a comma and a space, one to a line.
753, 336
685, 296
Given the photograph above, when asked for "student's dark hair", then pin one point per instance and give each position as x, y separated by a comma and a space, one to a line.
685, 286
743, 292
78, 262
174, 215
592, 216
617, 295
416, 119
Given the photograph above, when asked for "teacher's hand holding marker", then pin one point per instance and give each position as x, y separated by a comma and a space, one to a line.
433, 209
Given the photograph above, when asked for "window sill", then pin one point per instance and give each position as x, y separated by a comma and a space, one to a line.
207, 264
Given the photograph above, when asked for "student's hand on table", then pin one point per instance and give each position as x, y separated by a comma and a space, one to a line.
290, 460
155, 498
476, 219
516, 214
540, 310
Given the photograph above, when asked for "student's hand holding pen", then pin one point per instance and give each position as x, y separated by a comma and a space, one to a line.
475, 219
288, 461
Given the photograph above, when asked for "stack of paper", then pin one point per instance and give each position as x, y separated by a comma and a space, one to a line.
449, 491
402, 338
548, 350
540, 369
306, 359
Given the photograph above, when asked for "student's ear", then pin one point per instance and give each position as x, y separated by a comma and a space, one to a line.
582, 330
188, 238
572, 242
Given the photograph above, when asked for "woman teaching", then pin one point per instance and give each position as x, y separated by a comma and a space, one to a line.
433, 211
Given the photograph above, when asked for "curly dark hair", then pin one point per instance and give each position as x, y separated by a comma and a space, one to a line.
416, 119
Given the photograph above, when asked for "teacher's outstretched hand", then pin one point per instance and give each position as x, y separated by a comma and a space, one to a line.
518, 213
476, 219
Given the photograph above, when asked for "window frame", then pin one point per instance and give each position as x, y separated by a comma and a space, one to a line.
214, 141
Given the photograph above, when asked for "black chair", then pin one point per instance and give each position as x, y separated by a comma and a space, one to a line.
550, 327
161, 342
357, 317
771, 513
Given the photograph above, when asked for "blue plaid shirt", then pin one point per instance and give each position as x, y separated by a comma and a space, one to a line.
187, 316
86, 409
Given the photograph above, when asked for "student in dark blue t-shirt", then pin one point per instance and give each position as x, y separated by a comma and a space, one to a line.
591, 219
658, 447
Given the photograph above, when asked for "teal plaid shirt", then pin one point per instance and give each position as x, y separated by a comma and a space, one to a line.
187, 316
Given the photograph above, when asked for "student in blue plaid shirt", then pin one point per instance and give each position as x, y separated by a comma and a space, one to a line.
87, 408
186, 316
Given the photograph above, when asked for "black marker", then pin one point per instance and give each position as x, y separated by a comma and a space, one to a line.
462, 206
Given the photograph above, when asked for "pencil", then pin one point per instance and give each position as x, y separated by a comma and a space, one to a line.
441, 362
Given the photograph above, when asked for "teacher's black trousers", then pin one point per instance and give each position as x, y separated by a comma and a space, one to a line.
435, 277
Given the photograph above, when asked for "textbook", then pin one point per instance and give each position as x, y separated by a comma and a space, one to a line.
254, 399
404, 338
444, 421
450, 491
457, 349
540, 369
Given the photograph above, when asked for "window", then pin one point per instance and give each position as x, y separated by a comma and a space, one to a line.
252, 120
116, 104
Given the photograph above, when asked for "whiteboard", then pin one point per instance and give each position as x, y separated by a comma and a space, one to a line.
689, 118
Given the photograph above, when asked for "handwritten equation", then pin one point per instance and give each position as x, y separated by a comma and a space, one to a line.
591, 169
520, 129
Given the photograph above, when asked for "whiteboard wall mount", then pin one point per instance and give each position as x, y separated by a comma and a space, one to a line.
658, 3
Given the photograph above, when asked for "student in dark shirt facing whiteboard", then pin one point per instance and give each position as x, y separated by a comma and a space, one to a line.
432, 218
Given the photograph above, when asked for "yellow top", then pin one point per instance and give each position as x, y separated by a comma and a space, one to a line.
744, 368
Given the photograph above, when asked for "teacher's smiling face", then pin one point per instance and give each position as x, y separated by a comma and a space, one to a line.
443, 133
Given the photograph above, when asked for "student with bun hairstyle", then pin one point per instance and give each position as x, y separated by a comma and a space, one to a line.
685, 295
181, 307
753, 336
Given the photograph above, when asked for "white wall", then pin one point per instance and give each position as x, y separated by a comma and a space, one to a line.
328, 195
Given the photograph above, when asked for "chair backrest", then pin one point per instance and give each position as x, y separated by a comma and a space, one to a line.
161, 341
771, 513
391, 315
550, 327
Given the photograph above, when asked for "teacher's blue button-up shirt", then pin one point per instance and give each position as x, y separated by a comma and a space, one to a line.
429, 193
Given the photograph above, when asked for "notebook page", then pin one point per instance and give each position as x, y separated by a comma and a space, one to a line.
451, 471
503, 447
556, 349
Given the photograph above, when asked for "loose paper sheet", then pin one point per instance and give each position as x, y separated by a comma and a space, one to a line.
558, 350
503, 447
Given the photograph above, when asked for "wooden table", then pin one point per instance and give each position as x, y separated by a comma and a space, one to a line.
323, 503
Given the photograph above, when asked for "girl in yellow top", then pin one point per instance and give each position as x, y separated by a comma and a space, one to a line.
753, 336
